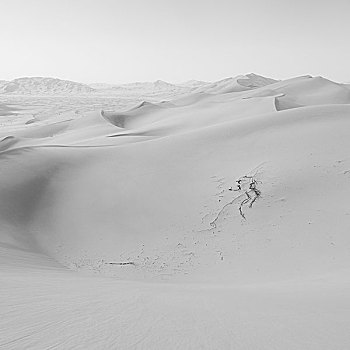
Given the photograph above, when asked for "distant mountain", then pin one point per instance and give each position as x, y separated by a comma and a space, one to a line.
52, 86
102, 86
142, 88
45, 86
193, 83
156, 86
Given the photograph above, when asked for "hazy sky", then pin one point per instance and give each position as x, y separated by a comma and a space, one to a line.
175, 40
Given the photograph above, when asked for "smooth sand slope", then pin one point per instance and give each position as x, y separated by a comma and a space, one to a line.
218, 220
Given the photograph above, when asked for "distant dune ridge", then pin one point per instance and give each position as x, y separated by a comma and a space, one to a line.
39, 85
140, 87
47, 86
236, 84
206, 215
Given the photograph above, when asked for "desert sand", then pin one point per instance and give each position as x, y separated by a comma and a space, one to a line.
200, 216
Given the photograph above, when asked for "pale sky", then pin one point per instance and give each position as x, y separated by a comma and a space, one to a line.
118, 41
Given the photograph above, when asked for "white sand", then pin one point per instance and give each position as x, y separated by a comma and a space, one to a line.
196, 263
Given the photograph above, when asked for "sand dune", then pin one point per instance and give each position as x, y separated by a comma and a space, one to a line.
236, 84
217, 220
314, 91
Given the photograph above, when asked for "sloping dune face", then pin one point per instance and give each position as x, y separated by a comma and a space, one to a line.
234, 204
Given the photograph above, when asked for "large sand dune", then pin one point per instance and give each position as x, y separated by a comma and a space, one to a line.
216, 220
